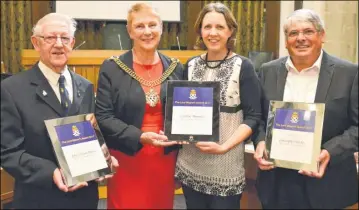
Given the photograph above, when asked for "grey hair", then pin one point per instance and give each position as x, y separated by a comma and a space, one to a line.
304, 15
37, 29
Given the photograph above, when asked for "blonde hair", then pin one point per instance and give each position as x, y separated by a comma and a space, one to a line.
140, 7
71, 23
228, 16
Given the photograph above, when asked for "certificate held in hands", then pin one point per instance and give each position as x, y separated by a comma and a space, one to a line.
80, 149
192, 111
294, 134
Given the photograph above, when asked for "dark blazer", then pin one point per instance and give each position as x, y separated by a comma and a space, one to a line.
26, 149
338, 89
120, 104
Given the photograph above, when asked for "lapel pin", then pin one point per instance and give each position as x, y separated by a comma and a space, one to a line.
44, 93
78, 93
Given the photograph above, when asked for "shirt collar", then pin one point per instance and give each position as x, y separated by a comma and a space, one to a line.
52, 76
317, 64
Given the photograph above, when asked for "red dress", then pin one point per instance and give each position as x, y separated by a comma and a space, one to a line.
146, 180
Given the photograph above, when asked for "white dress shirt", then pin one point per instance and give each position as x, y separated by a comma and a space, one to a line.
302, 86
53, 79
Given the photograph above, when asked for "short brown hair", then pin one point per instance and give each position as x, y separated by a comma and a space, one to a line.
228, 16
139, 7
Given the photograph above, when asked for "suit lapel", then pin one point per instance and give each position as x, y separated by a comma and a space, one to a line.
44, 90
163, 90
78, 94
127, 59
281, 79
325, 77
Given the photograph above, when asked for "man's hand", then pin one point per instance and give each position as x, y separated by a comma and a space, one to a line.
260, 156
211, 147
92, 119
58, 179
114, 166
323, 160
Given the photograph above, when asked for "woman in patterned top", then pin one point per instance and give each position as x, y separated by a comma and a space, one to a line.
212, 174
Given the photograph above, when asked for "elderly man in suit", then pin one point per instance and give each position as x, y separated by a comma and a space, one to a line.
48, 90
311, 75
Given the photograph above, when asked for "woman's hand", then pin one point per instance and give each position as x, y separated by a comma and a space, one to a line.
211, 147
156, 139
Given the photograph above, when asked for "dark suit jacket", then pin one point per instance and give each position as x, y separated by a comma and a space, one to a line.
338, 89
120, 104
26, 149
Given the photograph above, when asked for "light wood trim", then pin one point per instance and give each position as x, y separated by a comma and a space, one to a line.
87, 62
7, 187
102, 192
179, 191
95, 57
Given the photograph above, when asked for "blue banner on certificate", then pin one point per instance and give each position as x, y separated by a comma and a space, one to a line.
192, 111
79, 148
79, 144
294, 134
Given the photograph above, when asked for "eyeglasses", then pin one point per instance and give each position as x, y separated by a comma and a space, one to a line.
53, 39
307, 33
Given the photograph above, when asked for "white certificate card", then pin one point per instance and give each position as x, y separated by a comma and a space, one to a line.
81, 148
293, 135
192, 111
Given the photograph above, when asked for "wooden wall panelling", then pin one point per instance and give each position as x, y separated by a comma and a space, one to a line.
39, 10
194, 7
272, 27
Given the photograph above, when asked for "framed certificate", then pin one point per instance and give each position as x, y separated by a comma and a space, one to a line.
80, 149
192, 111
294, 134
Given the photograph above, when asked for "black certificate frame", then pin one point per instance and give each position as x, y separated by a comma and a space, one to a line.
169, 111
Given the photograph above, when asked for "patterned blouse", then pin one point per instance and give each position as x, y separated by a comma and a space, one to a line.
222, 175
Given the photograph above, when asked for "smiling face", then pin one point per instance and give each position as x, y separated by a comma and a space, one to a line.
54, 55
215, 32
145, 30
303, 41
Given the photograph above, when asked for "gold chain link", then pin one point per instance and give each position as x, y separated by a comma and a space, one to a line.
147, 83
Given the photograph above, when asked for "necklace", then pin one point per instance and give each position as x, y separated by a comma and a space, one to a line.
213, 67
152, 97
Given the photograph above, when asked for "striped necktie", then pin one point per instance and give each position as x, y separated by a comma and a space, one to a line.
65, 101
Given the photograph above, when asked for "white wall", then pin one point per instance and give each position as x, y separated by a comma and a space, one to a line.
341, 26
317, 6
115, 10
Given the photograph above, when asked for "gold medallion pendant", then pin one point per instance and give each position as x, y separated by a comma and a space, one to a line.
152, 98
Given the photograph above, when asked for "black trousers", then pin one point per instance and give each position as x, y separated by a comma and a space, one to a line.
198, 200
290, 192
